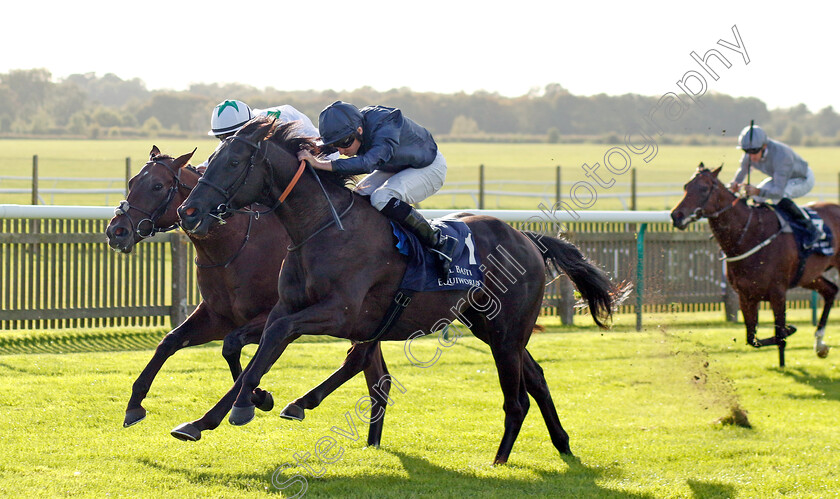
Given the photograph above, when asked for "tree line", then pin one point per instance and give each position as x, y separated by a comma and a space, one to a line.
34, 104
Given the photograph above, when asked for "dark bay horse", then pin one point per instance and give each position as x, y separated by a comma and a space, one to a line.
243, 253
759, 272
225, 259
340, 282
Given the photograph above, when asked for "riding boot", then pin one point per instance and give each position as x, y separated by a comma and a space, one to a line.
443, 246
814, 234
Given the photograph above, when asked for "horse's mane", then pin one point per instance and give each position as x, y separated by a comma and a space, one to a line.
287, 136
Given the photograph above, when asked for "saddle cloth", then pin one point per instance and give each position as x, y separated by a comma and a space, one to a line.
421, 273
800, 232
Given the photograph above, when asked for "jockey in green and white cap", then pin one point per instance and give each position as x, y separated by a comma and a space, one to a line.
231, 115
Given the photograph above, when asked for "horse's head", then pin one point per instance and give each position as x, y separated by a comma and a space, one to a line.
237, 175
152, 202
705, 196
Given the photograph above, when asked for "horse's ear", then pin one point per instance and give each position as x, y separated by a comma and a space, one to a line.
717, 170
264, 131
701, 166
154, 152
183, 160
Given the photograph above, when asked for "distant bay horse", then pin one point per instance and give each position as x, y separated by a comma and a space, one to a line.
340, 282
763, 261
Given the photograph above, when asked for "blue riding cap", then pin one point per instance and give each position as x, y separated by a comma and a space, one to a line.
338, 120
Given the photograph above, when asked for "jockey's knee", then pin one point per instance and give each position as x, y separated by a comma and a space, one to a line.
380, 197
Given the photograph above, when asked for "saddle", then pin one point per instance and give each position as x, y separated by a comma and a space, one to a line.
801, 232
421, 271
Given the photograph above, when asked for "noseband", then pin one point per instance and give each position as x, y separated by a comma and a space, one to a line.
152, 217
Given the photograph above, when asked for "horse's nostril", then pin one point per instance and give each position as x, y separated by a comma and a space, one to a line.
190, 211
119, 232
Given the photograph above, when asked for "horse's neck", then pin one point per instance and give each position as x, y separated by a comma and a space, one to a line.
738, 229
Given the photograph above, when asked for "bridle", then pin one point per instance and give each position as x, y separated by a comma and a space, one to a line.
151, 217
223, 209
698, 213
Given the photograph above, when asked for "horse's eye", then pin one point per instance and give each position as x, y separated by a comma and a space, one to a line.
234, 163
158, 187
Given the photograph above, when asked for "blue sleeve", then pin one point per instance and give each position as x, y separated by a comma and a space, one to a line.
385, 139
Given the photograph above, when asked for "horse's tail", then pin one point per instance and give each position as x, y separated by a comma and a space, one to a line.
593, 284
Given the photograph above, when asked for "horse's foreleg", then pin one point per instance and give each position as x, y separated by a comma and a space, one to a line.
281, 330
248, 334
199, 328
828, 291
749, 308
358, 358
782, 331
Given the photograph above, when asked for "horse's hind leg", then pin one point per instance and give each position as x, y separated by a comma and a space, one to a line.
509, 365
358, 358
379, 386
538, 388
828, 290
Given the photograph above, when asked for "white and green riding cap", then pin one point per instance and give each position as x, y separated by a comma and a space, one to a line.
229, 116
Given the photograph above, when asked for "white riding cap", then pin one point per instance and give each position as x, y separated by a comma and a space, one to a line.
229, 116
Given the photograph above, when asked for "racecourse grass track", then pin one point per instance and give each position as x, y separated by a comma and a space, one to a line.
643, 411
535, 162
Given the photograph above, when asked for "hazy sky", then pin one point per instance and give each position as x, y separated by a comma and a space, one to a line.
442, 46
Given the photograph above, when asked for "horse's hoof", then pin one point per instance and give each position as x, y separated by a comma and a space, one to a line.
293, 411
186, 432
240, 416
134, 416
822, 351
263, 400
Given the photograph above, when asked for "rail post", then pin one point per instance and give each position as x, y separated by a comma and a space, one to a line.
633, 189
566, 303
559, 186
480, 187
35, 179
178, 309
127, 174
640, 273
